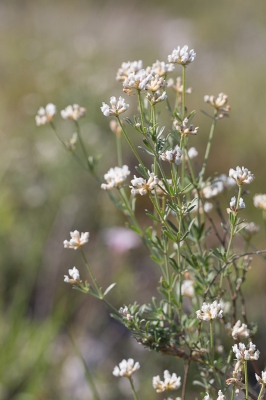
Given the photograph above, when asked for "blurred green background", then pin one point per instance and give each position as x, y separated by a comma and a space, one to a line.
68, 52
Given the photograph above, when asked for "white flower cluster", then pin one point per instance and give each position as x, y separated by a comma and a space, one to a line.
250, 228
203, 208
156, 97
260, 201
187, 288
128, 68
115, 177
140, 186
218, 102
241, 175
178, 87
238, 330
216, 187
234, 208
182, 56
117, 107
170, 382
210, 311
74, 276
184, 129
73, 112
124, 311
136, 81
221, 396
76, 240
46, 114
126, 368
173, 156
262, 379
160, 68
244, 353
192, 152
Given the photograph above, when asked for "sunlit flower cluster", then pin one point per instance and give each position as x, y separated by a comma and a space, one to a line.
73, 112
117, 107
184, 128
128, 68
260, 201
181, 55
141, 186
173, 156
241, 175
126, 368
262, 379
160, 68
246, 353
115, 177
170, 382
46, 114
238, 330
219, 102
156, 97
136, 81
74, 276
76, 240
210, 311
234, 207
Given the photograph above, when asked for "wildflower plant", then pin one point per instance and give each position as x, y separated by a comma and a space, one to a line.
177, 235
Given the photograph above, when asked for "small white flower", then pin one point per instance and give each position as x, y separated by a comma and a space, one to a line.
184, 129
128, 68
246, 353
250, 228
207, 397
233, 206
124, 311
210, 311
136, 81
182, 56
171, 382
178, 87
262, 379
156, 97
220, 395
46, 114
260, 201
76, 240
126, 368
155, 83
192, 152
117, 107
160, 68
73, 112
173, 155
238, 330
207, 207
115, 177
218, 102
241, 175
140, 186
74, 276
187, 288
212, 189
227, 181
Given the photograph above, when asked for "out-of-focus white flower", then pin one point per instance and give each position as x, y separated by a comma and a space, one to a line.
74, 276
262, 379
128, 68
140, 186
46, 114
124, 311
220, 395
173, 156
115, 177
178, 87
260, 201
212, 189
156, 97
238, 330
171, 382
73, 112
233, 206
246, 353
218, 102
76, 240
207, 207
136, 81
187, 288
182, 56
250, 228
121, 240
225, 305
117, 107
207, 397
126, 368
241, 175
227, 181
115, 127
184, 129
71, 143
192, 152
210, 311
160, 68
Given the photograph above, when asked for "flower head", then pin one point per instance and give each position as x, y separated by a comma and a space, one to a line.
76, 240
117, 107
173, 156
178, 87
182, 56
250, 228
46, 114
125, 312
187, 288
210, 311
246, 353
192, 152
212, 189
115, 177
156, 97
238, 330
184, 129
128, 68
126, 368
74, 276
234, 208
170, 382
260, 201
73, 112
136, 81
219, 102
262, 379
160, 68
155, 83
241, 175
140, 186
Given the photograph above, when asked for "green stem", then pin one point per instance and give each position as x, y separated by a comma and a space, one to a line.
183, 91
233, 393
91, 274
130, 143
119, 150
82, 143
261, 392
211, 342
141, 111
246, 378
132, 388
234, 222
208, 148
129, 209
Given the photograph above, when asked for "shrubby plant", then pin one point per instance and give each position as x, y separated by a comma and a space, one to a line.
181, 224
